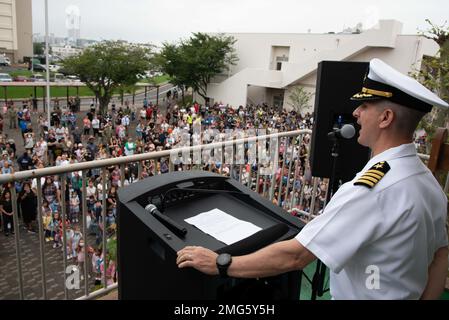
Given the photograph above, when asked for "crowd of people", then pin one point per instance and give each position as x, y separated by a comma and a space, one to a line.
73, 137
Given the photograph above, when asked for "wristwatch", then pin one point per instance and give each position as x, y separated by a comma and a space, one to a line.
224, 260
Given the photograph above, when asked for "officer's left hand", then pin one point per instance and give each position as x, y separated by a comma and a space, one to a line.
199, 258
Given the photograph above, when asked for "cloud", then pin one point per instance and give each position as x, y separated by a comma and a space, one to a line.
158, 21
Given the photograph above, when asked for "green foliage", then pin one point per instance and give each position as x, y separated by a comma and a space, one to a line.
299, 98
156, 79
194, 62
38, 48
111, 245
434, 74
22, 72
107, 66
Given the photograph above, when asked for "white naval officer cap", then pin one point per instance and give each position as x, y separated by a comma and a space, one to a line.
384, 82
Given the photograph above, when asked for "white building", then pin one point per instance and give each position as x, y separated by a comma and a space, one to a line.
64, 51
271, 64
16, 29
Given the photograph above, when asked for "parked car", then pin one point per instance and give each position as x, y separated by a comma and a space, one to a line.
4, 61
37, 78
21, 79
54, 67
39, 67
4, 77
73, 78
59, 77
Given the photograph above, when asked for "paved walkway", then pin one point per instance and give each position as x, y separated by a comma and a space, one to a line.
31, 269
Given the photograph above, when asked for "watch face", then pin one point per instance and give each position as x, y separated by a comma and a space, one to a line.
223, 259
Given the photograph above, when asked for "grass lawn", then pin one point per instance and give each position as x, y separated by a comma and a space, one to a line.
25, 92
157, 79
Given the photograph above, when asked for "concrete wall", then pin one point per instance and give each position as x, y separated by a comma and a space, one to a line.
257, 52
16, 29
257, 95
405, 57
24, 29
8, 37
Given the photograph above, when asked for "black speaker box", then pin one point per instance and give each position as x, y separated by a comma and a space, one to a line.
337, 81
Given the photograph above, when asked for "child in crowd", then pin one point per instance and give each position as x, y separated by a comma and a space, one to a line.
69, 241
46, 222
97, 261
56, 229
74, 207
77, 236
55, 206
80, 257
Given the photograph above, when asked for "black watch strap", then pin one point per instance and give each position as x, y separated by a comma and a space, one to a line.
224, 260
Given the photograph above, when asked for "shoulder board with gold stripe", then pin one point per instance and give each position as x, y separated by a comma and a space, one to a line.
371, 177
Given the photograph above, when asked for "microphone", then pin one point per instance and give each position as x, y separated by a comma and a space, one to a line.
165, 220
346, 132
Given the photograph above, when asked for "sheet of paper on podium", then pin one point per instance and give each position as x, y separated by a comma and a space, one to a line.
222, 226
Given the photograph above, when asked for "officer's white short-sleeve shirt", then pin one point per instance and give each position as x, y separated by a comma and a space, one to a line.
379, 242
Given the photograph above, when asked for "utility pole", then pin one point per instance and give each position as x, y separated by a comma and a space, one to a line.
47, 63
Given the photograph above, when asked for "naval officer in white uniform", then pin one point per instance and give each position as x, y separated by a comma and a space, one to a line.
383, 234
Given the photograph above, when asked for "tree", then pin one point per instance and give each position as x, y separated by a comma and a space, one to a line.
194, 62
434, 74
171, 62
107, 66
299, 98
38, 48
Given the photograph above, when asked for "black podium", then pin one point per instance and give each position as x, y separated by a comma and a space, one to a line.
147, 245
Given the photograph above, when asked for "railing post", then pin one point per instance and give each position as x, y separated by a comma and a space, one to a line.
41, 238
264, 186
257, 177
139, 170
171, 166
63, 181
293, 202
313, 198
281, 176
104, 235
17, 239
289, 173
273, 175
222, 158
84, 205
122, 175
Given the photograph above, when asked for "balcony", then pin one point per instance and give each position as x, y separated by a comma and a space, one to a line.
40, 267
35, 267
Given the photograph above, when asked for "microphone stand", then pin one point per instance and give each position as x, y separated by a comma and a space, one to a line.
320, 271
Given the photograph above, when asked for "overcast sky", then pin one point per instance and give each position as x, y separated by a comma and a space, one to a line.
169, 20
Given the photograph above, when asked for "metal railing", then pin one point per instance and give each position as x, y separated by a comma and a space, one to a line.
278, 182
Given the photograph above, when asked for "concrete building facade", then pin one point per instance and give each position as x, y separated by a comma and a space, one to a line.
16, 29
64, 51
271, 65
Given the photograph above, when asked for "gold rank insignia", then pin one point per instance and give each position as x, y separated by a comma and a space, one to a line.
371, 177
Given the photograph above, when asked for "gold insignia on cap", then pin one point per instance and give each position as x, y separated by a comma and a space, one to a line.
385, 94
371, 177
362, 95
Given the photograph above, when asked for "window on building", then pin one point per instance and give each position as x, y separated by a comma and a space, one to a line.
278, 65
